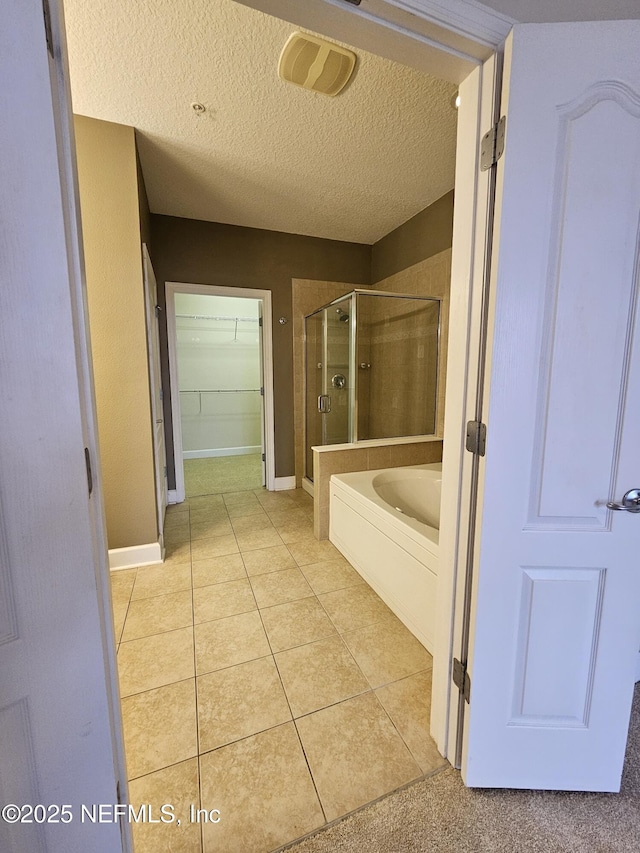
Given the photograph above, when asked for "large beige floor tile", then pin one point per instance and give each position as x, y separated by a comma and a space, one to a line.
266, 560
176, 521
119, 615
355, 607
160, 613
319, 674
240, 701
203, 514
279, 587
222, 599
355, 754
122, 582
251, 523
214, 546
199, 502
253, 540
408, 703
279, 517
159, 580
295, 623
329, 576
177, 785
229, 567
295, 531
275, 500
264, 792
177, 536
239, 498
153, 661
211, 527
387, 651
160, 727
312, 551
243, 510
177, 552
226, 642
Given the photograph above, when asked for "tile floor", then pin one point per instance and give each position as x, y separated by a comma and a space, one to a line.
260, 676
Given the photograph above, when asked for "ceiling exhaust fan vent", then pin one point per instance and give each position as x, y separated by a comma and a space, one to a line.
316, 64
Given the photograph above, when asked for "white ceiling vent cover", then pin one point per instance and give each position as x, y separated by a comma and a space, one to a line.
316, 64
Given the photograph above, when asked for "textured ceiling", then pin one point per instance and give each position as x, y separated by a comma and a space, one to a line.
265, 154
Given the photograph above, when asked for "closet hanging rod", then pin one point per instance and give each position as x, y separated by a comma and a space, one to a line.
219, 390
208, 317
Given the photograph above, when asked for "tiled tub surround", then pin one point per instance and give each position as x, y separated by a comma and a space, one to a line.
396, 553
364, 456
262, 677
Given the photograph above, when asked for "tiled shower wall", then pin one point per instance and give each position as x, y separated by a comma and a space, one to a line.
430, 277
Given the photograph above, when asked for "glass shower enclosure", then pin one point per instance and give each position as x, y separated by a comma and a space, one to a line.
371, 369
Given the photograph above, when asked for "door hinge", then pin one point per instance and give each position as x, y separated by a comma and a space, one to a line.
264, 457
492, 145
476, 437
87, 462
260, 321
262, 391
47, 26
461, 679
157, 309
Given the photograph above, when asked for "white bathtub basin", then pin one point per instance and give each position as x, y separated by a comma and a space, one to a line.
411, 491
386, 525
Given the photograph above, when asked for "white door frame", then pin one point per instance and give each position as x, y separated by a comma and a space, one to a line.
155, 382
173, 287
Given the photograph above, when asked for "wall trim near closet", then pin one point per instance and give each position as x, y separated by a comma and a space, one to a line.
281, 484
136, 555
223, 451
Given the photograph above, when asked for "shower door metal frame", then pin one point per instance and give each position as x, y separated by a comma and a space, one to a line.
352, 296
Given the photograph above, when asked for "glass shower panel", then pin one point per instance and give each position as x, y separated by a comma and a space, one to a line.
397, 355
314, 369
337, 421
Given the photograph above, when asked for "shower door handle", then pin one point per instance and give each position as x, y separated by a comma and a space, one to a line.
324, 404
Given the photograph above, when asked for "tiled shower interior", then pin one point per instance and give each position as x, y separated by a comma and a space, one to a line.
261, 677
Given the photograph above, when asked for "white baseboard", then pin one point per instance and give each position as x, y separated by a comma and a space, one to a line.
136, 555
307, 485
221, 451
280, 484
172, 496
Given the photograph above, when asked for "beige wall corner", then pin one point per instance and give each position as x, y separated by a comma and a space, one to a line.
109, 202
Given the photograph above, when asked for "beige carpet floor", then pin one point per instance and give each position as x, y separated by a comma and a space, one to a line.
217, 474
440, 815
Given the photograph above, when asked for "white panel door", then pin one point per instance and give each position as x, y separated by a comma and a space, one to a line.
155, 382
556, 621
59, 717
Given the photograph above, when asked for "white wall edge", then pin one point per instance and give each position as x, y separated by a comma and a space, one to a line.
221, 451
136, 555
281, 484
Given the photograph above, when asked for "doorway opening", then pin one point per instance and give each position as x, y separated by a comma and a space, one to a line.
220, 366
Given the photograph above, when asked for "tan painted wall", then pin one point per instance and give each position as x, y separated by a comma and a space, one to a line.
111, 234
